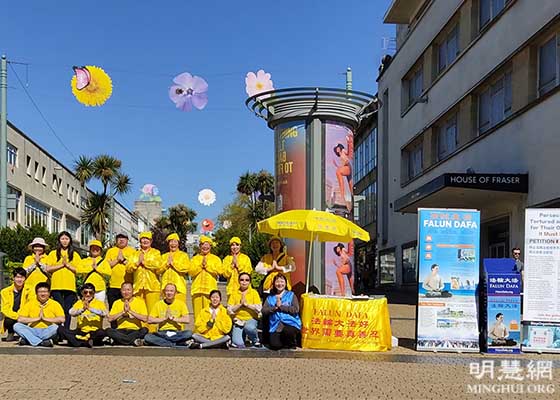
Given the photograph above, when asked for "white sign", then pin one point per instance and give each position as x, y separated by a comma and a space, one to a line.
541, 280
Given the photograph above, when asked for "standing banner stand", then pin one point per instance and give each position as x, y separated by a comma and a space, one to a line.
501, 306
541, 281
448, 257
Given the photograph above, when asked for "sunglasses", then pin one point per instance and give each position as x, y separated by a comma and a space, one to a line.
516, 253
88, 292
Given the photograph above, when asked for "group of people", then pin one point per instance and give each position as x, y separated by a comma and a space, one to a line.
145, 300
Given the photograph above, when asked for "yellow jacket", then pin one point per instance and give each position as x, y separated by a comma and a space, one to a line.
252, 298
91, 319
51, 309
284, 261
63, 279
222, 323
232, 274
120, 273
34, 275
7, 295
97, 277
205, 280
145, 276
177, 309
176, 275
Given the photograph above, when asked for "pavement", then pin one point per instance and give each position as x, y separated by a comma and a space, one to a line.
155, 373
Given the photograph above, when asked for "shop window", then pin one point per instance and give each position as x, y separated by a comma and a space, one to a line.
409, 263
387, 265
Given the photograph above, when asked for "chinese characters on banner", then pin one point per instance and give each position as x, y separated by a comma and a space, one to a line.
448, 257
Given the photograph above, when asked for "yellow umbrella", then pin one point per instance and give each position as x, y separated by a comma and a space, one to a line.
312, 225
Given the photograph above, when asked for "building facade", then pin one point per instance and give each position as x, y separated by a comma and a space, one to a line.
467, 120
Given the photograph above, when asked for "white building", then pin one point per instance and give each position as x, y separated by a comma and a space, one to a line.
472, 91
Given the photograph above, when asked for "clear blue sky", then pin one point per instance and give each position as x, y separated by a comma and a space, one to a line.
144, 44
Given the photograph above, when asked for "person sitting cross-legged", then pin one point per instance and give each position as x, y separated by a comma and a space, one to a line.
89, 313
212, 325
170, 314
39, 318
128, 313
13, 298
244, 306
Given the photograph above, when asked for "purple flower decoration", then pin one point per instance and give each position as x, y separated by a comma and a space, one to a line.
189, 91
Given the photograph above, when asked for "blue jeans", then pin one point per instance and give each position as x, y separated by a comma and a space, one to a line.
162, 339
239, 333
207, 343
35, 335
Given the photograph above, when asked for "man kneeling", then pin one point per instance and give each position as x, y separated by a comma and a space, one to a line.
129, 313
38, 319
170, 315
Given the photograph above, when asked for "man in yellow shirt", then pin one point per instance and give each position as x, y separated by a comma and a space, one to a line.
89, 313
39, 318
96, 269
118, 258
175, 265
212, 325
205, 268
128, 313
235, 264
170, 315
13, 298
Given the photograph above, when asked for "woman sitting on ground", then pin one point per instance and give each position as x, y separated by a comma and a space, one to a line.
282, 309
212, 325
244, 306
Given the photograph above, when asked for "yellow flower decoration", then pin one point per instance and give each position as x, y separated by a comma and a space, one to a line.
91, 85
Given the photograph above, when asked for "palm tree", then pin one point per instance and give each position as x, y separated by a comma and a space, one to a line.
106, 169
254, 186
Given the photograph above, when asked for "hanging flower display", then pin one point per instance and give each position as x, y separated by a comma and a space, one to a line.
206, 197
91, 85
189, 91
258, 83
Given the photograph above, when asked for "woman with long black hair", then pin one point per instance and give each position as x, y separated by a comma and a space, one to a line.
61, 264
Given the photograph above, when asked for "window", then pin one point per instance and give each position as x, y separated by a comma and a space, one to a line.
415, 87
415, 161
56, 221
549, 65
448, 50
387, 267
28, 165
494, 103
68, 192
72, 225
12, 154
36, 174
36, 213
54, 183
489, 9
447, 138
44, 176
409, 265
365, 156
367, 209
60, 186
13, 214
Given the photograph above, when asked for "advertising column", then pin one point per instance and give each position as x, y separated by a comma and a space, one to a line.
448, 256
339, 199
290, 160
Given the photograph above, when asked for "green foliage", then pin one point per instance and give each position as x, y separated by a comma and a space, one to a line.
14, 241
179, 220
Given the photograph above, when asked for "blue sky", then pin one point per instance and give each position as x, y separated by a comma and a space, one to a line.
143, 46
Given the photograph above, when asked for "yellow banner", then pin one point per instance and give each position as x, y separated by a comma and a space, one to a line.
345, 324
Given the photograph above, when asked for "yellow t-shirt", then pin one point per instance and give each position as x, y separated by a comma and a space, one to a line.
232, 275
222, 323
128, 322
145, 276
177, 308
177, 274
92, 319
97, 277
205, 280
63, 278
119, 273
36, 276
251, 297
51, 309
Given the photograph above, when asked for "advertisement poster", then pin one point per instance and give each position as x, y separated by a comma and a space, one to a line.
503, 306
541, 338
448, 257
291, 184
541, 276
339, 199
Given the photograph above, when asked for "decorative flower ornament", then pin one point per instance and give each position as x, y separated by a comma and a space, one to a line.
91, 85
189, 91
226, 224
258, 83
206, 197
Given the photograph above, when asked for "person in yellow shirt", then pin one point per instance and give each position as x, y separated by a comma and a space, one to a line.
235, 264
36, 266
118, 258
89, 313
62, 264
212, 325
145, 264
13, 298
175, 266
128, 314
170, 315
39, 318
96, 269
205, 268
277, 261
244, 306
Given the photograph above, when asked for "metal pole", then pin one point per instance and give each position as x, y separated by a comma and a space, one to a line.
3, 142
348, 78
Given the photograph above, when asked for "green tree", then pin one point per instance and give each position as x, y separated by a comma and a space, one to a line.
256, 190
107, 170
14, 241
180, 220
